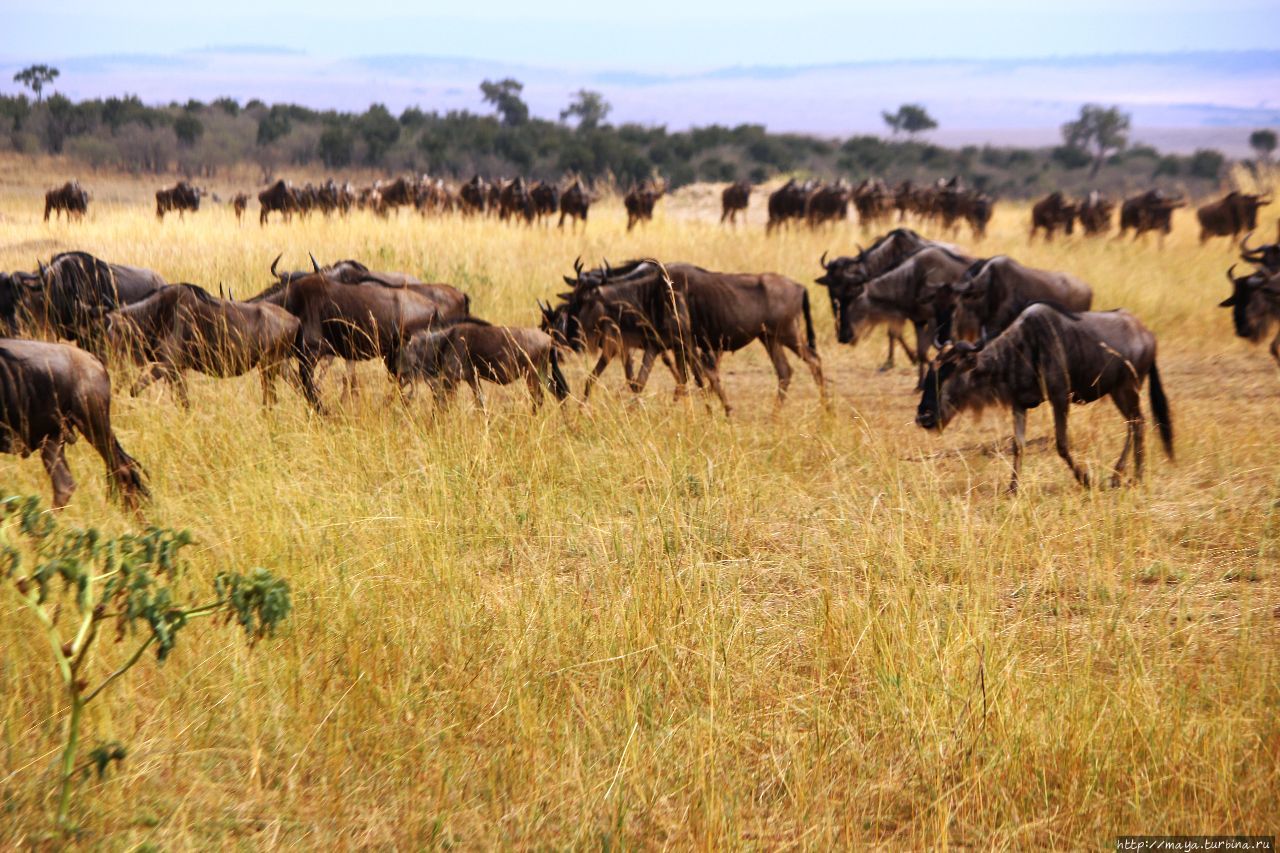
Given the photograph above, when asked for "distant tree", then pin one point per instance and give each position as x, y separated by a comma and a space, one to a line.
505, 97
34, 77
1206, 163
590, 108
274, 125
1105, 130
379, 129
335, 146
230, 106
188, 129
910, 118
1264, 142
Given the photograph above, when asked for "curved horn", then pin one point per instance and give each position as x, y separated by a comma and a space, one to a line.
1231, 278
315, 266
577, 265
275, 274
608, 270
44, 279
822, 262
1245, 249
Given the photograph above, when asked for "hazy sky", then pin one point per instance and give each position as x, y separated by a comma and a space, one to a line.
652, 35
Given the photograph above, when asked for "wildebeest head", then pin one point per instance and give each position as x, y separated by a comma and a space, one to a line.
973, 296
1254, 303
1264, 256
844, 279
421, 357
936, 409
562, 324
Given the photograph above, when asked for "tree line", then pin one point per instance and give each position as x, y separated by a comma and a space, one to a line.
201, 139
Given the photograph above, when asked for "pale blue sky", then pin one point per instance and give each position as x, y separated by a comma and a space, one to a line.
652, 35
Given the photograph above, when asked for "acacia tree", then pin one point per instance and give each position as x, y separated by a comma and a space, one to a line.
505, 97
910, 118
1105, 130
1264, 142
590, 108
34, 77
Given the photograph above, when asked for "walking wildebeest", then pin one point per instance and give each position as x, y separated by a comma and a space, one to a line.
278, 197
238, 206
515, 202
991, 293
1051, 354
787, 203
473, 351
574, 203
1150, 211
1095, 214
181, 197
69, 197
182, 327
1255, 304
1230, 215
640, 200
474, 195
827, 204
874, 201
48, 393
733, 200
1051, 213
545, 198
1267, 256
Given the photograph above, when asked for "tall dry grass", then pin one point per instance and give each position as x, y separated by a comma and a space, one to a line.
642, 624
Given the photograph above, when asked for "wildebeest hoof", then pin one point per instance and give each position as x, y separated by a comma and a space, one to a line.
884, 368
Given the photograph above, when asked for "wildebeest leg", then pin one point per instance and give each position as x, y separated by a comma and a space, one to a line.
646, 366
269, 374
53, 454
629, 369
155, 372
594, 375
307, 377
474, 382
1126, 400
711, 370
781, 366
1275, 348
1019, 444
1064, 449
534, 378
922, 354
350, 385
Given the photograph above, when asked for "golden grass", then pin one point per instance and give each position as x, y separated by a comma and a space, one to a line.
643, 624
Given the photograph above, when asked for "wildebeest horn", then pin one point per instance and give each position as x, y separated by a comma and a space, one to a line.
275, 274
44, 280
315, 266
608, 270
1231, 278
577, 265
1246, 250
822, 262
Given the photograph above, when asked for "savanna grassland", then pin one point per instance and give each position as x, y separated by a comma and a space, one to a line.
643, 624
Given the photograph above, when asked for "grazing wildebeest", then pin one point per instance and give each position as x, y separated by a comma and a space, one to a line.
1255, 304
1267, 256
574, 203
1095, 214
397, 194
279, 197
828, 204
640, 200
787, 203
733, 200
545, 198
990, 294
845, 276
1230, 215
181, 197
48, 393
1051, 354
474, 195
472, 351
69, 197
182, 327
515, 202
1150, 211
1051, 213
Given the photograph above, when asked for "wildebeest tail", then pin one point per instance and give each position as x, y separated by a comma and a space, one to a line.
1160, 411
808, 322
559, 385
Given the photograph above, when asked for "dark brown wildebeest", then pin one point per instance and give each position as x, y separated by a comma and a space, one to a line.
239, 204
452, 303
787, 203
574, 203
733, 200
874, 201
514, 201
1255, 304
182, 327
181, 197
828, 204
991, 293
640, 200
1150, 211
69, 197
1267, 257
1095, 214
1230, 215
278, 197
399, 193
48, 393
956, 204
1062, 357
474, 195
472, 351
904, 200
1051, 213
546, 199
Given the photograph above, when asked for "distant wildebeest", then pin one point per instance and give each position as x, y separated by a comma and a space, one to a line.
1095, 214
1255, 306
1062, 357
1267, 256
733, 200
473, 351
181, 197
278, 197
1051, 213
574, 203
956, 204
514, 201
992, 293
546, 199
48, 393
828, 204
474, 195
1229, 216
1150, 211
182, 327
397, 194
70, 197
641, 199
874, 202
787, 203
239, 204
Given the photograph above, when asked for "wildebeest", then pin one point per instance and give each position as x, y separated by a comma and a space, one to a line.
1095, 214
955, 203
787, 203
474, 195
1255, 306
828, 204
874, 201
397, 194
181, 197
1051, 213
1230, 215
992, 293
515, 202
472, 351
546, 199
640, 200
1150, 211
1267, 256
734, 199
182, 327
70, 197
1059, 356
239, 204
278, 197
574, 203
48, 393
